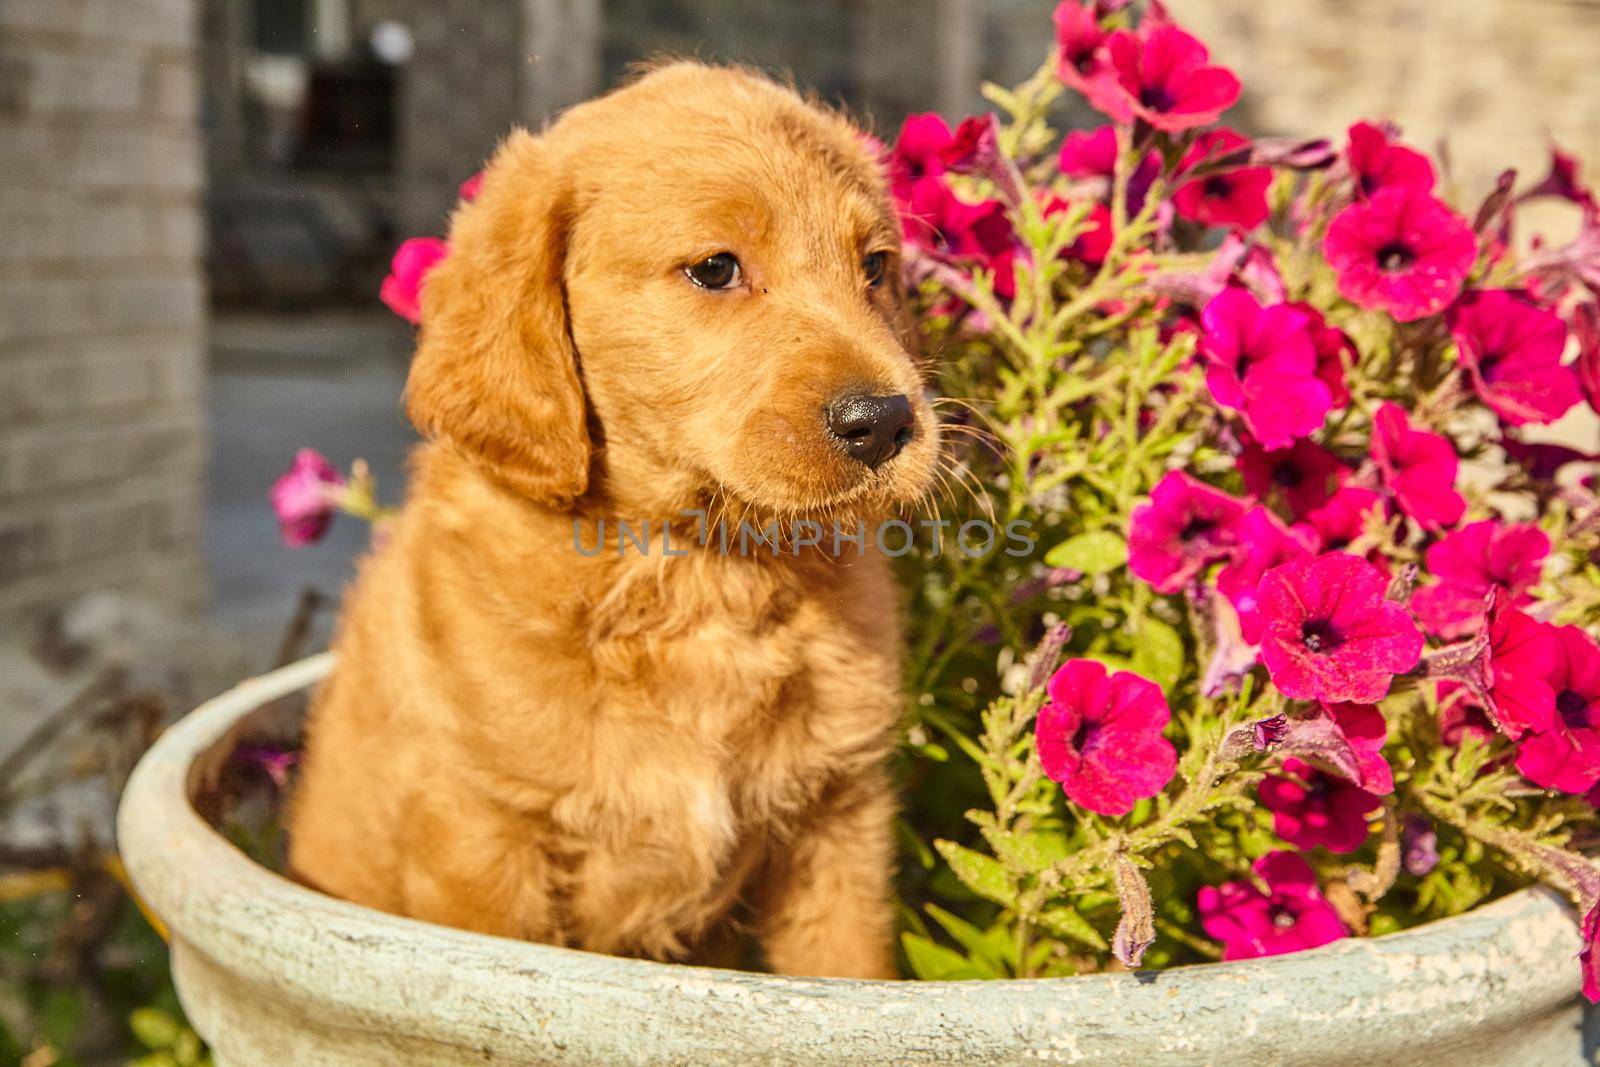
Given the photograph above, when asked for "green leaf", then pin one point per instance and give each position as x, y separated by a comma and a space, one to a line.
1030, 852
992, 950
1158, 653
154, 1028
933, 962
1095, 552
1066, 922
912, 844
979, 873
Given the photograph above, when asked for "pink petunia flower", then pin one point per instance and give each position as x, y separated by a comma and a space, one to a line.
306, 498
1402, 251
402, 288
1419, 845
1336, 353
1470, 563
1303, 476
1311, 808
1521, 656
1377, 162
1262, 362
1265, 542
276, 763
1082, 59
1566, 755
1418, 468
1100, 737
1164, 77
1552, 271
935, 220
1292, 915
1365, 730
1345, 516
1235, 197
1094, 242
1461, 715
1184, 527
1563, 182
1512, 352
1588, 957
469, 189
919, 152
1089, 157
1586, 328
1330, 634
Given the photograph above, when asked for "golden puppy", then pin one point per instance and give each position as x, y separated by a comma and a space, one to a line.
683, 296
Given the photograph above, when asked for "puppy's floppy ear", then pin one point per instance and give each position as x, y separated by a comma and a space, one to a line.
495, 374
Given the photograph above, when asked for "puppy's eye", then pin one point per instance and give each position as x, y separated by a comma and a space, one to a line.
720, 271
873, 265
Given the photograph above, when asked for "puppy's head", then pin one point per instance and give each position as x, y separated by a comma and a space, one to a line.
685, 291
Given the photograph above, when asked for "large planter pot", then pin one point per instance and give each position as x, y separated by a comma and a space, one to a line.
273, 973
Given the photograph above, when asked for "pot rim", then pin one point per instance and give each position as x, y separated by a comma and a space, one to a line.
297, 943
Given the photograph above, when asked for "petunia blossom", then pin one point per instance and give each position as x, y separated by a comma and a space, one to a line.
1344, 739
1471, 562
306, 498
1165, 77
1232, 196
1265, 542
1418, 468
1261, 361
934, 219
1586, 329
919, 152
1563, 182
1099, 735
1461, 715
1345, 517
1521, 656
1419, 845
1093, 241
1377, 162
1402, 251
1185, 526
1082, 59
1365, 730
1588, 956
1312, 808
401, 290
1566, 755
1330, 634
470, 188
1089, 157
1290, 915
1512, 354
1336, 353
1303, 477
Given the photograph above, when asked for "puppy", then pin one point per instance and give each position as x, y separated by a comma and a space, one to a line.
683, 297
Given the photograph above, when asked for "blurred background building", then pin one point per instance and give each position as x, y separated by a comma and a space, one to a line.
200, 197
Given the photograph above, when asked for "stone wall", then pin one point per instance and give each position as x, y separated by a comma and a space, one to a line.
101, 431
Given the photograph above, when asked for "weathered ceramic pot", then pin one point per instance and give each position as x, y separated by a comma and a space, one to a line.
272, 973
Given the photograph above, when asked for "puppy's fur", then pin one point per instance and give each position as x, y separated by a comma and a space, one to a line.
631, 753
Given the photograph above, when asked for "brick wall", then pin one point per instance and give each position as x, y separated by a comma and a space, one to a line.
101, 302
1496, 78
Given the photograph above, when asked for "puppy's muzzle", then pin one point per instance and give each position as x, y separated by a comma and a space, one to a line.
872, 429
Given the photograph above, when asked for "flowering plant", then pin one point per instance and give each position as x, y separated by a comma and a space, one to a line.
1310, 650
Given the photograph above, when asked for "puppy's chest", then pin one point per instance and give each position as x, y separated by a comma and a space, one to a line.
740, 718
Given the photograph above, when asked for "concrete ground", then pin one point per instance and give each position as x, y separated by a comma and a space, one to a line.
331, 381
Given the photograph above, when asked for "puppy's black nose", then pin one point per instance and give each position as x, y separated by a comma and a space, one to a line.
873, 429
